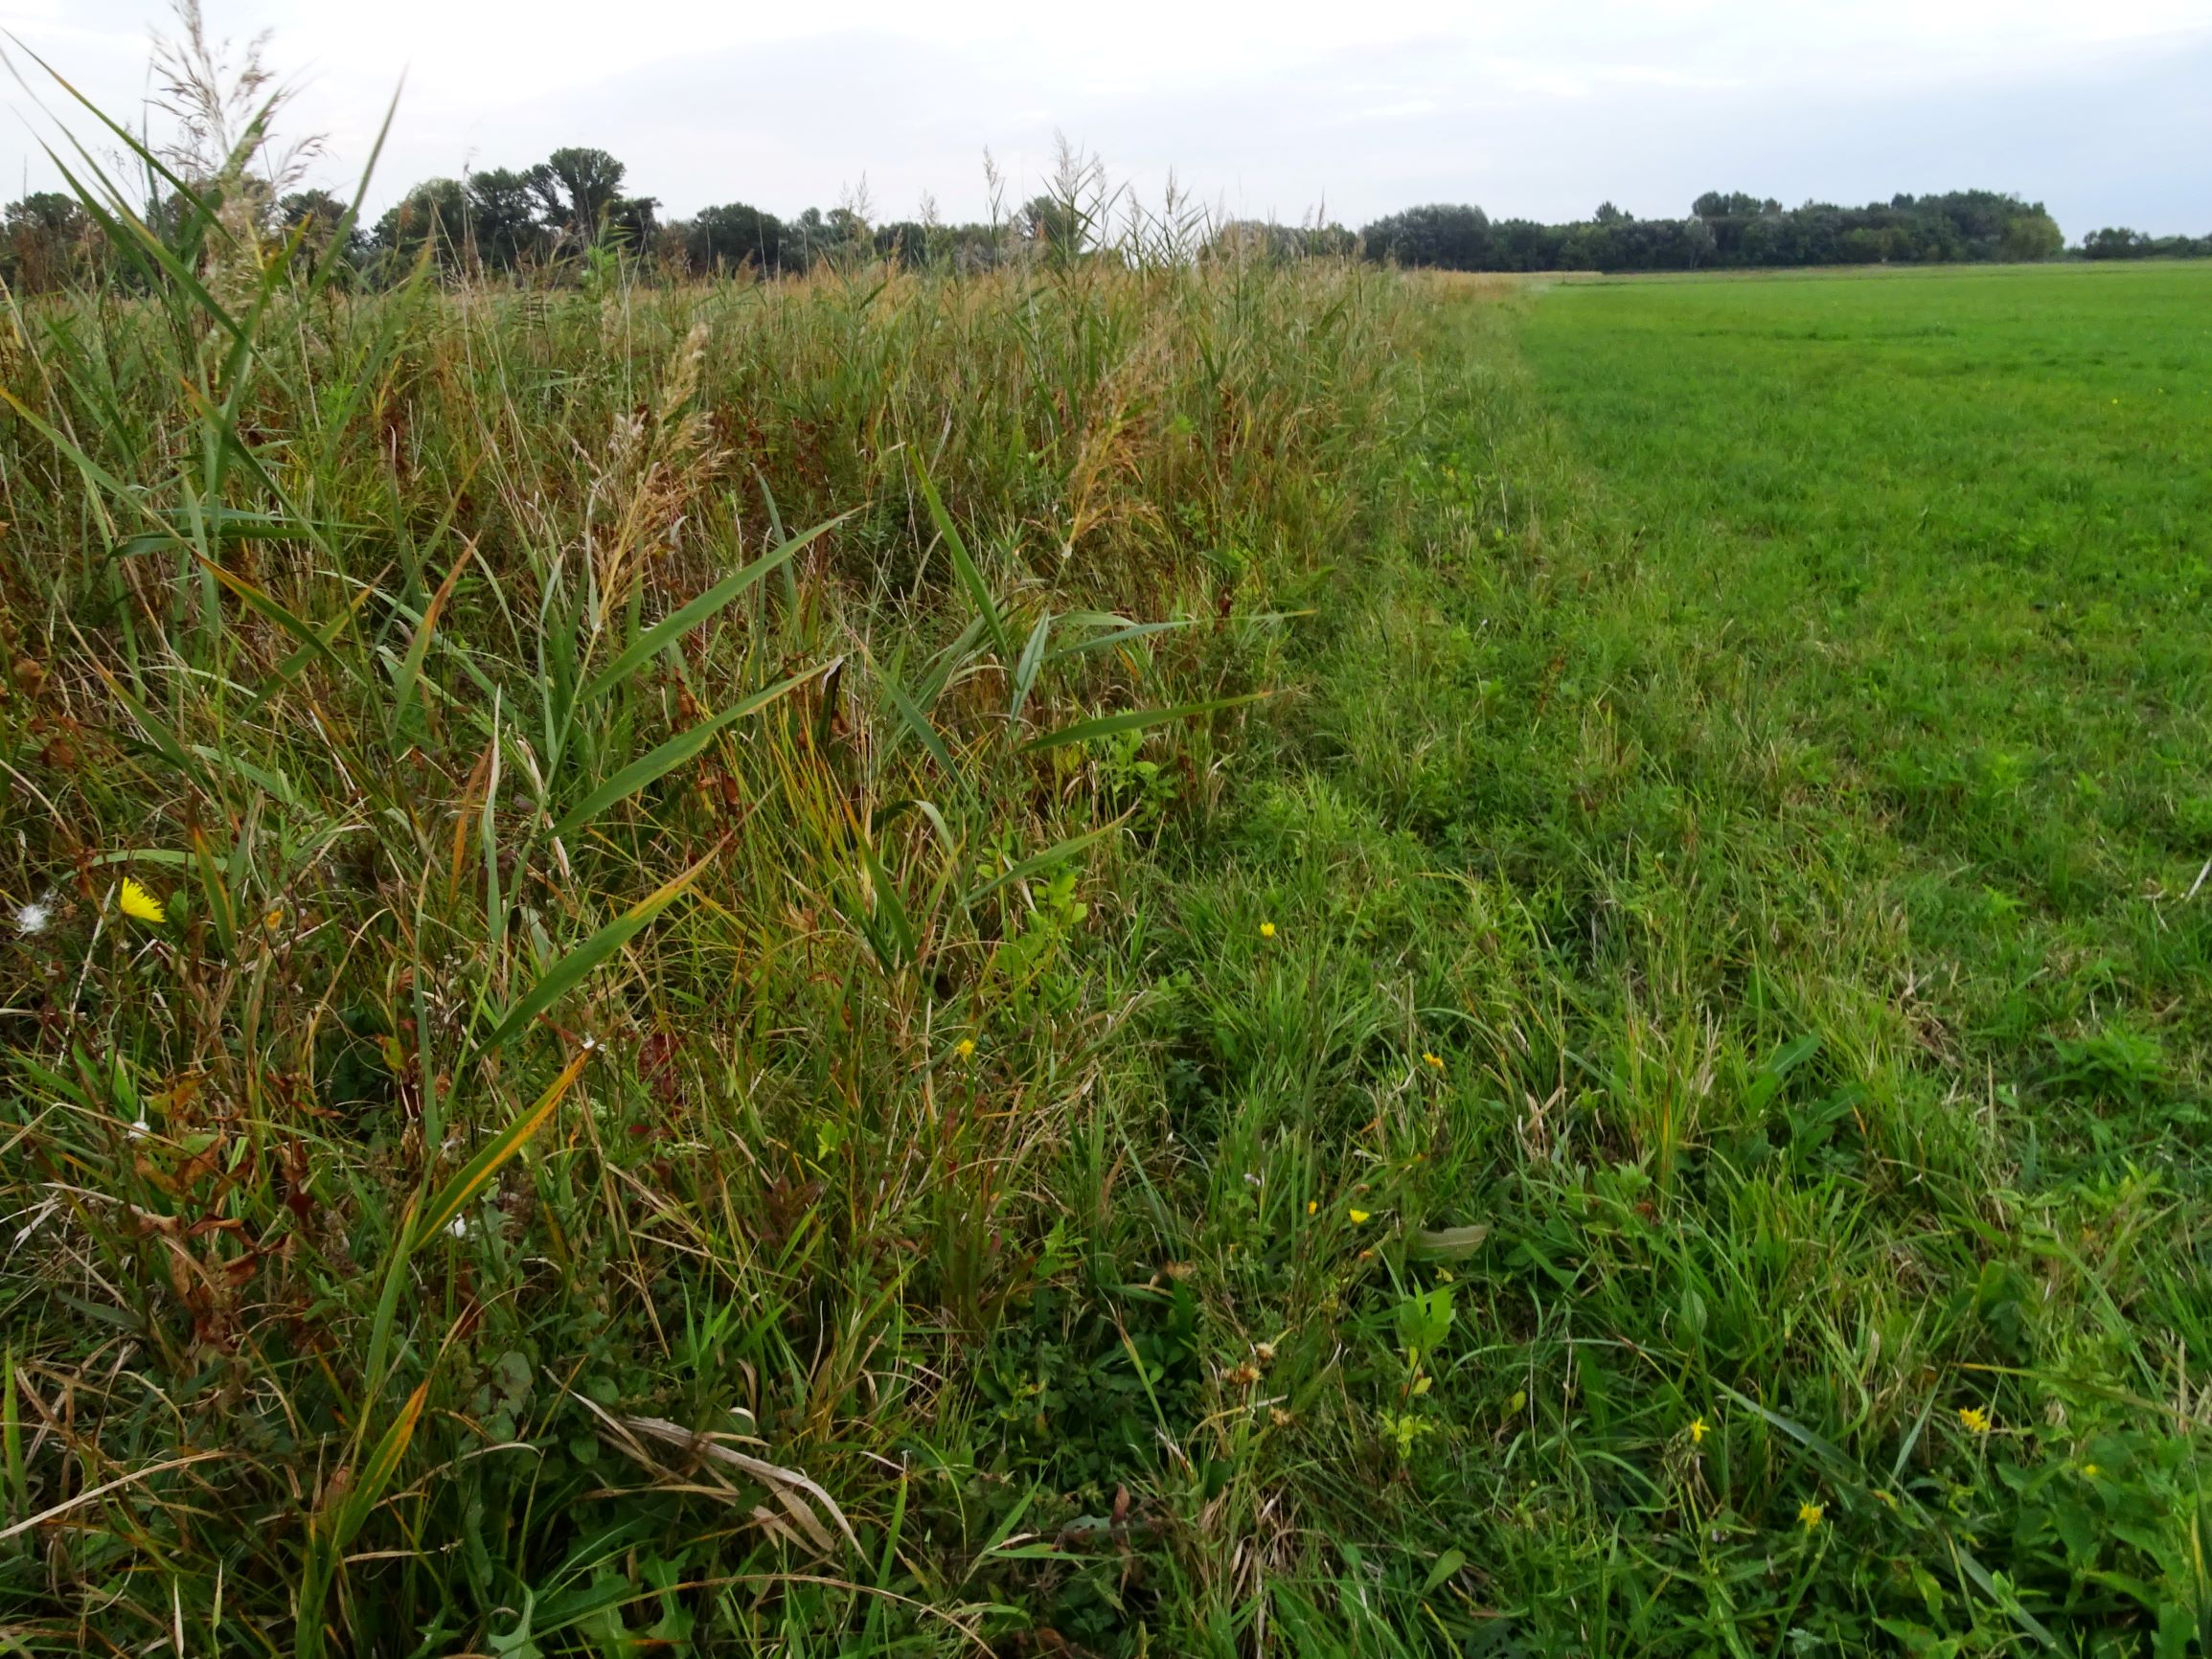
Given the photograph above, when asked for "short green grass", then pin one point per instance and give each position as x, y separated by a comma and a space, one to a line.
1799, 741
1771, 781
698, 1090
1958, 531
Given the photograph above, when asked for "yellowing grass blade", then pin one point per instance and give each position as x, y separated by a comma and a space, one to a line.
683, 746
477, 1174
676, 624
1135, 719
565, 973
367, 1488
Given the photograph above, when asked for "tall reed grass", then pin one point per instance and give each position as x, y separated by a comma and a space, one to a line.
641, 787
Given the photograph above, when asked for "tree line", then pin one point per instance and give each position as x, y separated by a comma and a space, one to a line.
1725, 230
575, 208
565, 211
2119, 243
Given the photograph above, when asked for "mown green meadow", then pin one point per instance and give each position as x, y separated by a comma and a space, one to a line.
1181, 955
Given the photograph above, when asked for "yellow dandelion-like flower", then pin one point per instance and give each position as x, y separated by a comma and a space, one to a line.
1434, 1063
1973, 1419
1266, 930
964, 1047
1697, 1431
139, 905
1810, 1516
1311, 1205
2089, 1471
1358, 1216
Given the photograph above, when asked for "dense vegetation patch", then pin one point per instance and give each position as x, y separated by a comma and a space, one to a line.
1181, 953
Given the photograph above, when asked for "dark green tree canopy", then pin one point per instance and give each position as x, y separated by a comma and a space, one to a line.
1726, 229
732, 235
434, 214
503, 223
577, 188
1738, 204
46, 242
2117, 242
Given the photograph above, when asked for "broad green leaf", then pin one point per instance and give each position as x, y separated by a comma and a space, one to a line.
566, 973
473, 1176
1447, 1243
1039, 862
387, 1309
410, 671
1135, 719
970, 578
1447, 1564
673, 753
161, 739
1032, 659
375, 1476
894, 944
313, 642
681, 622
918, 722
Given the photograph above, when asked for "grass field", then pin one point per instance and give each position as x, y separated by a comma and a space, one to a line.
1339, 965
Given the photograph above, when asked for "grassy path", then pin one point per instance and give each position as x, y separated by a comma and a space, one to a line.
1730, 967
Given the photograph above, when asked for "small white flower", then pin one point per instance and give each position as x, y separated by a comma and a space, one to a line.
139, 1130
458, 1227
34, 917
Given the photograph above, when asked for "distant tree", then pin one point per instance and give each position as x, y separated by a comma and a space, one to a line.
316, 209
433, 214
1730, 229
1732, 205
316, 214
2033, 235
1282, 243
503, 223
1052, 222
968, 247
1451, 237
733, 236
807, 238
577, 188
1864, 245
46, 243
906, 240
2115, 242
631, 221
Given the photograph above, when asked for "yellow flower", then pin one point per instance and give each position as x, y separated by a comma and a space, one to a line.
2089, 1471
1358, 1216
1809, 1515
1973, 1418
1697, 1431
1266, 930
1311, 1205
964, 1047
1434, 1063
140, 904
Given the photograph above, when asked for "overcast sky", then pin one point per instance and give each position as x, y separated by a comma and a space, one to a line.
2101, 108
